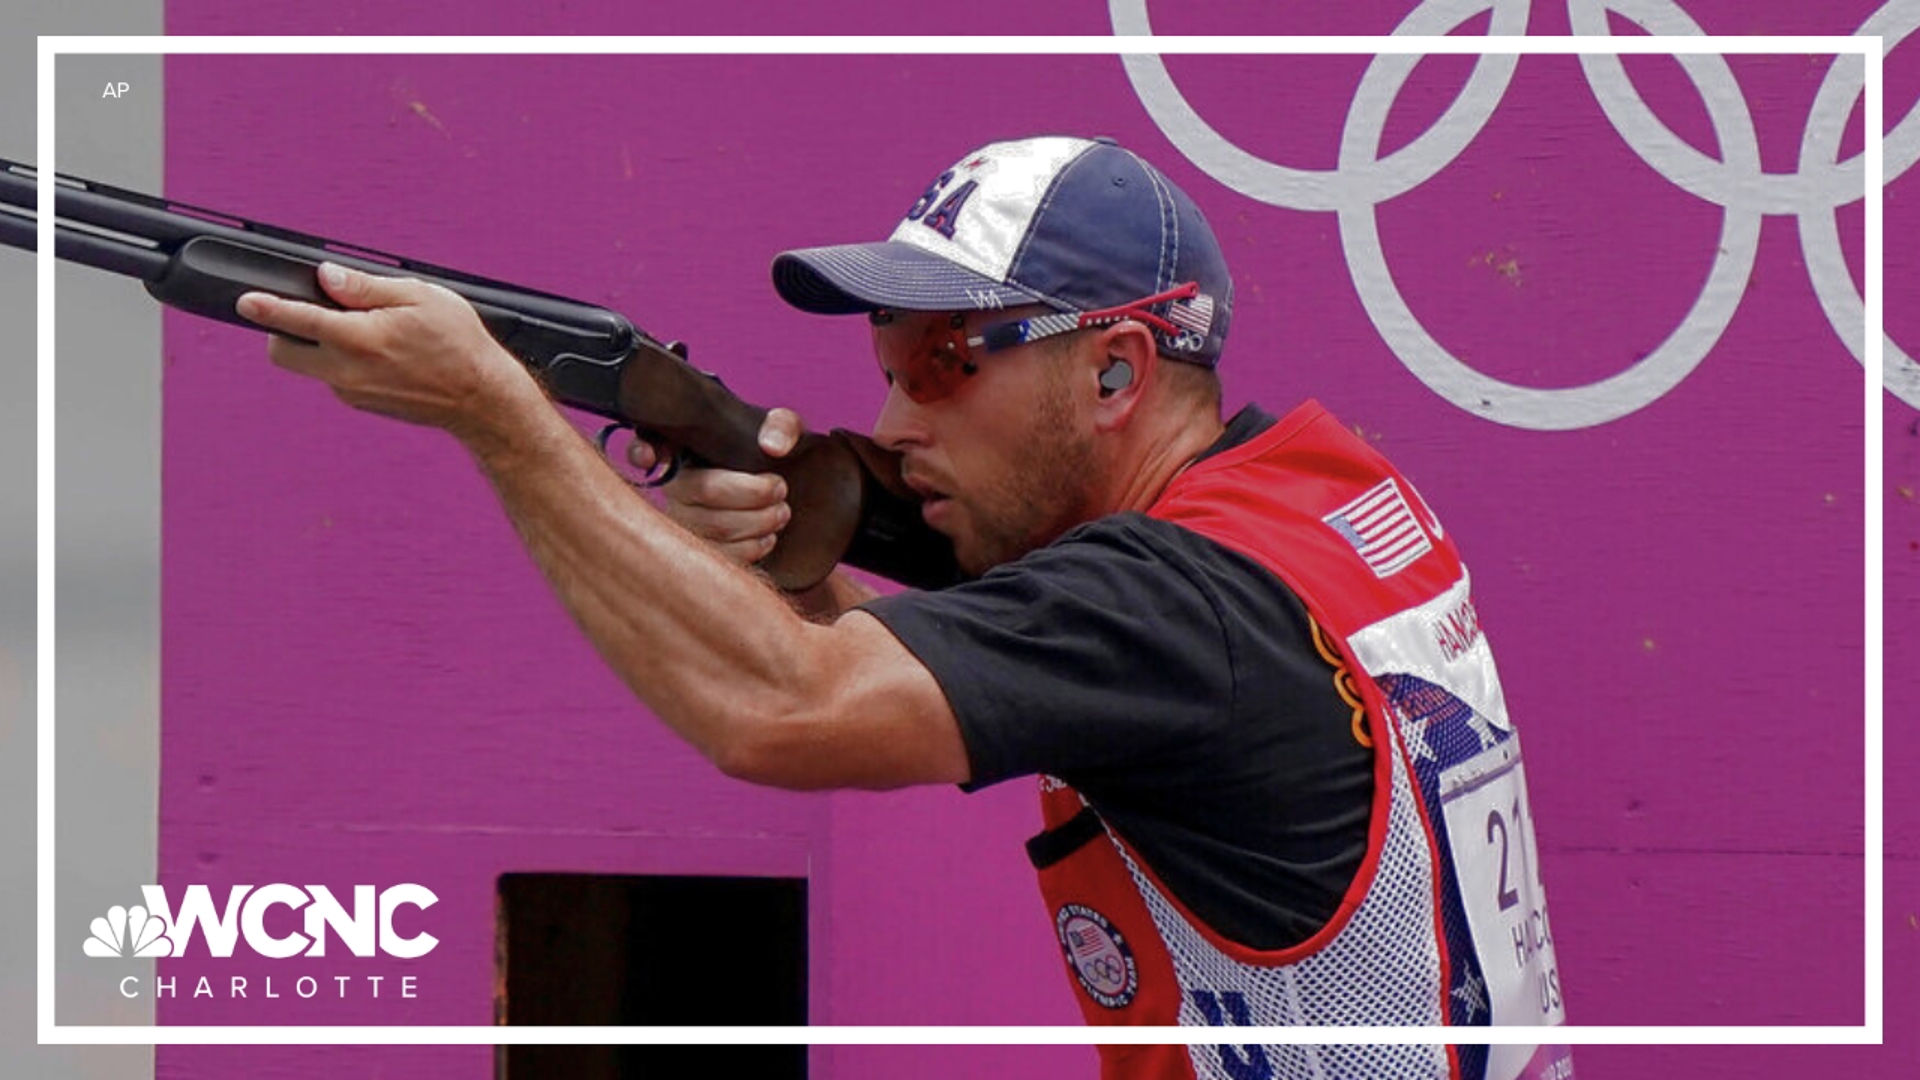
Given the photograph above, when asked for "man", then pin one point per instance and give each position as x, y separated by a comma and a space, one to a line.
1277, 776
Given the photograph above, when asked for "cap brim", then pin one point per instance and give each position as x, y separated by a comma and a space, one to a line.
850, 278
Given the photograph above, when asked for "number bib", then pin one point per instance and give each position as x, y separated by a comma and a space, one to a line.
1490, 829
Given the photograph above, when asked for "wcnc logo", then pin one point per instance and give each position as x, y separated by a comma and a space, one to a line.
366, 929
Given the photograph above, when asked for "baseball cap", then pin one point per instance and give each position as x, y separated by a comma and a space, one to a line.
1080, 225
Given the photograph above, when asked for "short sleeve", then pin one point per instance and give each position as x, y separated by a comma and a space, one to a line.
1100, 653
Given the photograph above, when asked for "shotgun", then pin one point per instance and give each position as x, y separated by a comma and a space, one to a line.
849, 502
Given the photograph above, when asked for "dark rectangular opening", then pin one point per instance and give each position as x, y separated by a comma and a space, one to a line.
638, 950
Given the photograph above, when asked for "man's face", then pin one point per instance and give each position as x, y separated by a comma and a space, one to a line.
1006, 460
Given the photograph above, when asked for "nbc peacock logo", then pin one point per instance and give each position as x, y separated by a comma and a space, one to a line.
129, 932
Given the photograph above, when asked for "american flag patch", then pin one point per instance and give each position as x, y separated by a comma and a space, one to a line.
1195, 314
1381, 527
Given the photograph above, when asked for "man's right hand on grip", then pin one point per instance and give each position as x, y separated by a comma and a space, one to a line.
739, 513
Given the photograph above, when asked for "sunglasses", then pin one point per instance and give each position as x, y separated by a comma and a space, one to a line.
929, 362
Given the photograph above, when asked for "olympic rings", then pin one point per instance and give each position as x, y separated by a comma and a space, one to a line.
1820, 232
1108, 971
1308, 189
1737, 183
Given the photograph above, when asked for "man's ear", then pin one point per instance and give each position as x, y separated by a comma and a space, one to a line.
1124, 366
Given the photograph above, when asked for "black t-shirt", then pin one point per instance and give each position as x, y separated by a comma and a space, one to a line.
1176, 685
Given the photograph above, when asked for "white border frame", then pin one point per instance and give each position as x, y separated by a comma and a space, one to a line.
1871, 49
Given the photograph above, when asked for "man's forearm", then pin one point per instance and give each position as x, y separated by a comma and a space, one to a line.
718, 654
708, 645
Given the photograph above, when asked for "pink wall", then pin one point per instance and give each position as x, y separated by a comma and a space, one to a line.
365, 680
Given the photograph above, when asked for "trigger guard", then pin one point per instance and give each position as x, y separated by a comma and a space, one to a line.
672, 469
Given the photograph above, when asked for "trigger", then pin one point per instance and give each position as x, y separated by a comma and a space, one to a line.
672, 469
667, 474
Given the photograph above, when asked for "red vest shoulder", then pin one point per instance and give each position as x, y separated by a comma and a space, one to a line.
1325, 512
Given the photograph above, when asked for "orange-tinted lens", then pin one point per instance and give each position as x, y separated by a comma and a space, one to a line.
927, 360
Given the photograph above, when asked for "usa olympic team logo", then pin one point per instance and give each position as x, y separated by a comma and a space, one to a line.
1820, 185
1099, 956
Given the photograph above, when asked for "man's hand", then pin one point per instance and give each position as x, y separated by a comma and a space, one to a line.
739, 513
403, 348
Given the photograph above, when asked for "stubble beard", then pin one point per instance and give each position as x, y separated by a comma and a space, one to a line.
1050, 492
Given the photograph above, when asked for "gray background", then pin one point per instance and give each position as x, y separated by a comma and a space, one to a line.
108, 519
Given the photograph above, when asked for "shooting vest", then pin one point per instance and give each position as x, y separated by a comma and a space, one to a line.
1446, 922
